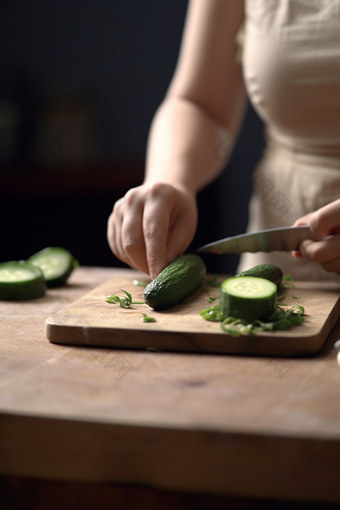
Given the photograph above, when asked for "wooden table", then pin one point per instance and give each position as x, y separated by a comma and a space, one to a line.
213, 424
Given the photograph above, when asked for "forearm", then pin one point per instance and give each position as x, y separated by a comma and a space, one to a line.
190, 140
183, 143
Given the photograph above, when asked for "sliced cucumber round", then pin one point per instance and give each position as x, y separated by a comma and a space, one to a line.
20, 280
56, 264
248, 298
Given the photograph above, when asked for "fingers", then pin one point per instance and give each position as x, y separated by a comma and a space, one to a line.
152, 225
111, 231
326, 252
137, 230
131, 238
157, 224
304, 220
114, 234
332, 266
326, 221
182, 233
297, 254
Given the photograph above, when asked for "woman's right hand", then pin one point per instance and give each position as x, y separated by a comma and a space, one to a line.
152, 225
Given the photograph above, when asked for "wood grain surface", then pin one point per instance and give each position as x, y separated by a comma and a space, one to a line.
92, 321
250, 426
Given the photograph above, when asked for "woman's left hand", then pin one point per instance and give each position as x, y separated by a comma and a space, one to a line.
323, 222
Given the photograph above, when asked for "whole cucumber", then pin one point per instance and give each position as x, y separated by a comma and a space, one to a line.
266, 271
177, 281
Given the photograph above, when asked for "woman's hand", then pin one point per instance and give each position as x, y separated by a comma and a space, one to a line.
323, 222
152, 225
204, 105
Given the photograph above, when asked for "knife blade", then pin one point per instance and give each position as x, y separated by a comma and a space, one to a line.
274, 239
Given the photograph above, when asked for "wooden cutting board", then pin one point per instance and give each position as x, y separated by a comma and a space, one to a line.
91, 321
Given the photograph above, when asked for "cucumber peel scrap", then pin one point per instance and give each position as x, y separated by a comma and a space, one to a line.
211, 299
146, 318
124, 302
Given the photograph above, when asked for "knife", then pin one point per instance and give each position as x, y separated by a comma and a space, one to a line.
274, 239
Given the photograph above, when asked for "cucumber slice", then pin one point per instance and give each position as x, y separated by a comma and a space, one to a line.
20, 280
56, 264
248, 298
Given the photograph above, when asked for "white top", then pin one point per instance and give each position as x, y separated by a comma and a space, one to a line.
290, 52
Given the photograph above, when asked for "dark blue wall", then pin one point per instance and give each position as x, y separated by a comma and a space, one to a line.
123, 51
122, 54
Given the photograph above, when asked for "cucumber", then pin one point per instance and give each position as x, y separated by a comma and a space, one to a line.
179, 279
20, 280
267, 271
248, 298
56, 264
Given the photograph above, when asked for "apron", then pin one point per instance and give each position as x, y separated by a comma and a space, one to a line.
290, 54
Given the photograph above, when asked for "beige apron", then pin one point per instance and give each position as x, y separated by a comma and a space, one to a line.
290, 51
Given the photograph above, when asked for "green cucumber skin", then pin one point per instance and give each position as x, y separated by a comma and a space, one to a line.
248, 309
64, 275
177, 281
266, 271
22, 291
59, 282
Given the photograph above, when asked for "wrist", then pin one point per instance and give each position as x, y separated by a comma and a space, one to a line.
181, 185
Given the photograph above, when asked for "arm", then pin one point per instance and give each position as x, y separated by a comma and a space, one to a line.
204, 105
205, 100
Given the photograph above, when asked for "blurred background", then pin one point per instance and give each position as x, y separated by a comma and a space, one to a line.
80, 83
